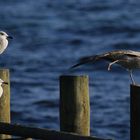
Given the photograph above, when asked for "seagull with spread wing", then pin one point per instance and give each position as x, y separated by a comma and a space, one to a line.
128, 59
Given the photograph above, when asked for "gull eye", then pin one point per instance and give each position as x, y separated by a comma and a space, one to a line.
1, 33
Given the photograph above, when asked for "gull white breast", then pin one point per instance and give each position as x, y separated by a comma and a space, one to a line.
1, 87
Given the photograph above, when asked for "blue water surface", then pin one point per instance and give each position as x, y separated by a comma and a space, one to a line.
49, 37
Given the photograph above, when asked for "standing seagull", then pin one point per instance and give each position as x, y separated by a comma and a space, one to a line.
1, 88
128, 59
4, 41
3, 45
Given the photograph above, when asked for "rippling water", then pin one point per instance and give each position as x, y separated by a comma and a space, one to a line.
49, 36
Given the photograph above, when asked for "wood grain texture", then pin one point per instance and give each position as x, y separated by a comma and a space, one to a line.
135, 112
74, 105
43, 134
5, 100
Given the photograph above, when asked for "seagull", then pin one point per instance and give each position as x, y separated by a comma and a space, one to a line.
4, 41
128, 59
1, 88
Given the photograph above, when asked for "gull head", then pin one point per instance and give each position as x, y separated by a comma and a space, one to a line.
4, 35
3, 41
2, 82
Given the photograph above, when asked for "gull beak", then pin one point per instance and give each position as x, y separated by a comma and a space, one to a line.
9, 37
6, 83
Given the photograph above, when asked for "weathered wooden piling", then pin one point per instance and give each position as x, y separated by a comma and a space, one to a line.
5, 100
135, 112
74, 104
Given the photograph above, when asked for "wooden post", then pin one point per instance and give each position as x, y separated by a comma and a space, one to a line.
135, 112
74, 105
5, 100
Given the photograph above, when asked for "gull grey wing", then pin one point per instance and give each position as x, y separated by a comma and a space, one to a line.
120, 54
124, 52
85, 60
90, 59
109, 56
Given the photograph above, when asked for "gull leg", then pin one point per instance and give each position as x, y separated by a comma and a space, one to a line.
131, 76
110, 64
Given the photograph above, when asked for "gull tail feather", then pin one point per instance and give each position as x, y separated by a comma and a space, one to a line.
85, 60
